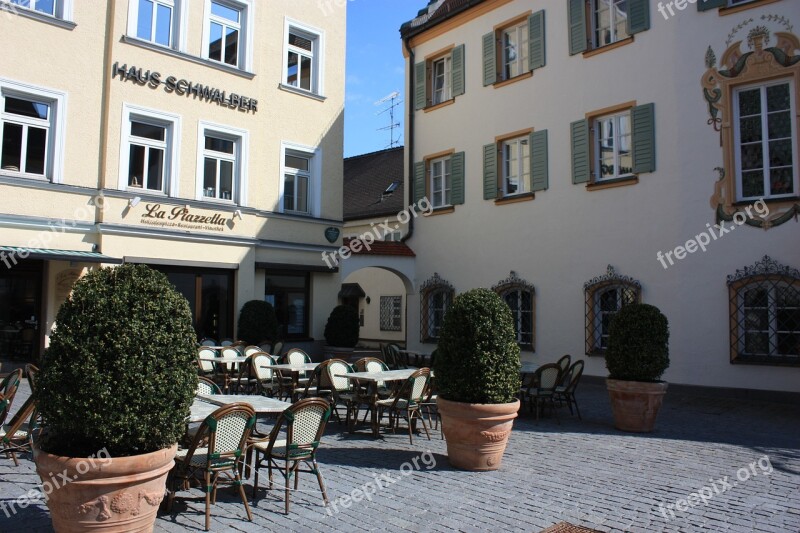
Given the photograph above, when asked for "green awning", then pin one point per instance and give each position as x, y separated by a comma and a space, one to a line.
48, 254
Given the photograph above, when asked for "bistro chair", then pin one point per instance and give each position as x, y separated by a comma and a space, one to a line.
266, 347
543, 388
567, 392
304, 425
393, 350
296, 356
406, 403
319, 383
206, 386
240, 347
342, 390
563, 362
216, 450
14, 437
252, 349
277, 350
206, 368
226, 342
208, 341
8, 387
32, 371
264, 380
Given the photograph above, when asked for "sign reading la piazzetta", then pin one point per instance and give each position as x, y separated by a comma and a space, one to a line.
182, 87
180, 217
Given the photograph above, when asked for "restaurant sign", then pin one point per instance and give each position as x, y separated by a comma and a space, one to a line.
181, 218
183, 87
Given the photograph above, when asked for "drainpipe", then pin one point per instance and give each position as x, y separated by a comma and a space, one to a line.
410, 138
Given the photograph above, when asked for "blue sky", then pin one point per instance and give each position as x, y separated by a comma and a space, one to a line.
374, 70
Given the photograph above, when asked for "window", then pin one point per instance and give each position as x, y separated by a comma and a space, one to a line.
297, 174
440, 178
439, 79
764, 136
605, 296
765, 314
708, 5
515, 165
222, 163
436, 295
391, 313
519, 295
48, 7
594, 24
290, 295
614, 144
442, 72
440, 181
395, 236
154, 21
31, 131
517, 47
149, 152
227, 37
302, 69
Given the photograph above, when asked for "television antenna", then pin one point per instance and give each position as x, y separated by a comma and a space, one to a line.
393, 103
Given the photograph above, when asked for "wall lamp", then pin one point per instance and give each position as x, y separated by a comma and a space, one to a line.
237, 214
133, 202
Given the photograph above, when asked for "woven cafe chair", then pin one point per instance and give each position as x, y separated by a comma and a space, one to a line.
277, 350
264, 380
9, 384
208, 341
343, 390
319, 383
266, 347
406, 403
371, 364
217, 450
14, 437
207, 386
564, 362
567, 392
296, 356
252, 349
543, 388
226, 342
206, 368
287, 450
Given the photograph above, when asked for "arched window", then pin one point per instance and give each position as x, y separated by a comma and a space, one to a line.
436, 295
520, 297
765, 314
605, 296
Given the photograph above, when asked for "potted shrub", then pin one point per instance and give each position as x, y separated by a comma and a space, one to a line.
637, 356
257, 323
341, 332
116, 383
477, 374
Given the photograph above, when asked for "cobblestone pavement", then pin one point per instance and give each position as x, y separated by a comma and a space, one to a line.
741, 460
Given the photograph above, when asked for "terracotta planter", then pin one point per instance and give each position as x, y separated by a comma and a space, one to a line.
635, 404
117, 495
476, 434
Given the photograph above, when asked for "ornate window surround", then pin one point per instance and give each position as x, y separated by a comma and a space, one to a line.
611, 279
514, 282
737, 69
766, 272
433, 285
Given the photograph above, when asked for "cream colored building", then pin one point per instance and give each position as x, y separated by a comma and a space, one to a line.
203, 138
584, 154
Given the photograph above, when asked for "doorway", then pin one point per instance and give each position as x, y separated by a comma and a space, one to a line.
20, 308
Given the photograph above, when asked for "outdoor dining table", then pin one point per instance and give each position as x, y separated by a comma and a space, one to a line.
295, 369
529, 368
205, 404
373, 378
420, 358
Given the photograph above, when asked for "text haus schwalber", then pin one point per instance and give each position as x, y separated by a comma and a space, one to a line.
184, 87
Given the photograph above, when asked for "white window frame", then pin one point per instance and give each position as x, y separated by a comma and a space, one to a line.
314, 154
446, 92
246, 7
520, 164
54, 156
171, 156
613, 25
298, 173
62, 8
179, 23
241, 140
521, 60
765, 141
447, 181
317, 37
599, 143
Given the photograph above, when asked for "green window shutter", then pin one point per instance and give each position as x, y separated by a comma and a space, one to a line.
581, 165
539, 162
489, 59
457, 70
420, 86
707, 5
644, 138
490, 172
419, 181
638, 16
536, 44
457, 178
577, 26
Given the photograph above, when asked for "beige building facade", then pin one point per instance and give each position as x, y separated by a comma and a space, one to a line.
203, 138
581, 155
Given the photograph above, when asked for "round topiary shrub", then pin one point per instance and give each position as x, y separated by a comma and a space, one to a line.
477, 360
257, 322
118, 373
638, 344
342, 327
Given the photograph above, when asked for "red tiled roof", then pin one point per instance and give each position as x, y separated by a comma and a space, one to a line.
394, 248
